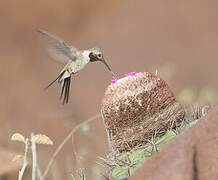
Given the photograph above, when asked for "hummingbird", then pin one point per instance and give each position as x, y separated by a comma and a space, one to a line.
74, 59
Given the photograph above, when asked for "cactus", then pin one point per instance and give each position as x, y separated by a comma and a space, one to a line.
126, 163
141, 115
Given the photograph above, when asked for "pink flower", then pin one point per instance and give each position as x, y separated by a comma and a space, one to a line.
114, 80
130, 74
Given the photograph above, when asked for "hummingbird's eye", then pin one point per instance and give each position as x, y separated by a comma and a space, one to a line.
99, 56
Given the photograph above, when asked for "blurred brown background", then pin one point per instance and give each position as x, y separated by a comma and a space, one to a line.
178, 38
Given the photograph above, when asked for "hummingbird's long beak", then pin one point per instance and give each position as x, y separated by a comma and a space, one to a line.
106, 64
108, 67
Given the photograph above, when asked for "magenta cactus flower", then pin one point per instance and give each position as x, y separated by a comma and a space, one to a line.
114, 80
130, 74
137, 107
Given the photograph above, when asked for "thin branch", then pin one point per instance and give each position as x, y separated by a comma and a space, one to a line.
67, 138
39, 174
25, 162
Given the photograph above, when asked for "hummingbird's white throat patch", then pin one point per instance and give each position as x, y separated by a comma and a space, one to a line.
86, 54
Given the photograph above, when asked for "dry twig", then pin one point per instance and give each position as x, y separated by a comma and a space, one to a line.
67, 138
25, 162
34, 157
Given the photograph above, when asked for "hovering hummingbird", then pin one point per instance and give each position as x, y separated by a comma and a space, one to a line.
74, 59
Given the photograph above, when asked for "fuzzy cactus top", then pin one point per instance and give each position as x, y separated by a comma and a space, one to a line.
136, 107
137, 90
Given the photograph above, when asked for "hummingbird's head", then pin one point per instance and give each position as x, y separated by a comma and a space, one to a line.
96, 55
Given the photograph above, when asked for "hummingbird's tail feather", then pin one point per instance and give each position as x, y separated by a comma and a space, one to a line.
57, 79
65, 90
64, 79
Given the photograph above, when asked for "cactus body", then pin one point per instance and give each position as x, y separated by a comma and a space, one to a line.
137, 108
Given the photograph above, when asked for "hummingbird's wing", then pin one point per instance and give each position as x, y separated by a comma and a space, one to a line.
56, 55
61, 46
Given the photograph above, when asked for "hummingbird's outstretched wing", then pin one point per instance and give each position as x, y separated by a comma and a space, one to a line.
60, 45
56, 55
